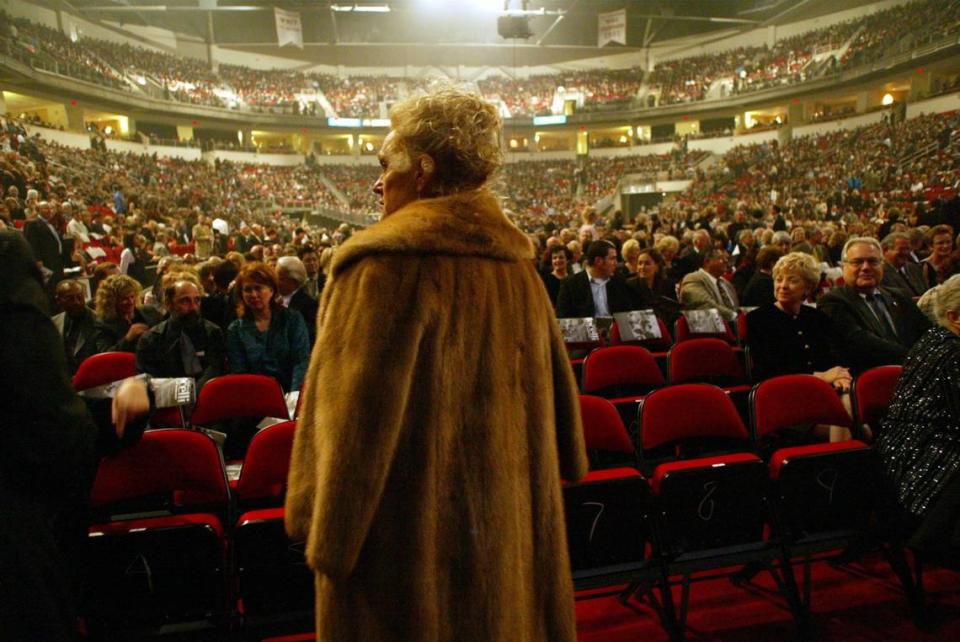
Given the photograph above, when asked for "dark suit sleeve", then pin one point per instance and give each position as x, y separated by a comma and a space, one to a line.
565, 300
149, 348
858, 347
914, 322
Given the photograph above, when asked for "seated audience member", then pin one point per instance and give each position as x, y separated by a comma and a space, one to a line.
219, 305
629, 252
653, 288
133, 259
597, 291
267, 338
899, 271
874, 325
315, 278
928, 302
186, 344
940, 265
667, 246
76, 324
291, 277
120, 321
560, 258
51, 443
759, 289
787, 337
706, 288
919, 442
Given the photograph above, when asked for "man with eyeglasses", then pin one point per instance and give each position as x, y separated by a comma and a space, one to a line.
873, 325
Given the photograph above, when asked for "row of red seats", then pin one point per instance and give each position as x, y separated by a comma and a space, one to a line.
693, 494
207, 549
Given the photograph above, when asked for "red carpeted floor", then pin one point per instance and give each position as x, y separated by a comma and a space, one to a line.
863, 601
860, 602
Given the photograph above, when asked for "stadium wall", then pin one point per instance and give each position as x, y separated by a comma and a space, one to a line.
940, 104
853, 122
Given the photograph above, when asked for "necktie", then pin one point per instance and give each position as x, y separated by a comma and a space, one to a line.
724, 297
876, 304
73, 333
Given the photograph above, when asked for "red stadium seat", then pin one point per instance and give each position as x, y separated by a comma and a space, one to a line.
239, 396
622, 374
605, 437
872, 393
147, 569
272, 575
106, 367
710, 496
825, 493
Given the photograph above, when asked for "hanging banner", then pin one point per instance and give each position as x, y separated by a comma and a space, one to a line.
612, 27
289, 31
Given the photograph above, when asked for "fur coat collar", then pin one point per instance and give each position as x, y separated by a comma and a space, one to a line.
465, 224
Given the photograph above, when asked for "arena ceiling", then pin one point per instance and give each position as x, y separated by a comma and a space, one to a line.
443, 32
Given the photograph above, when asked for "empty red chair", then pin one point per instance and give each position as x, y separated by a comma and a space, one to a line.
620, 371
153, 569
710, 361
606, 439
872, 393
239, 396
711, 497
824, 492
794, 400
263, 478
272, 574
106, 367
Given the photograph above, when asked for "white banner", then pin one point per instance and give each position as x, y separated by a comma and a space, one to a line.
289, 31
612, 27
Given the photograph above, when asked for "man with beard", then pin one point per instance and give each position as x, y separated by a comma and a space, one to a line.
185, 345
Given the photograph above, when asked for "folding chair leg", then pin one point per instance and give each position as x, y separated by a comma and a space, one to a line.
787, 583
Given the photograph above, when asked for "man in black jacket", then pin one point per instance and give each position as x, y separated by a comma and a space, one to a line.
875, 325
46, 243
76, 324
185, 345
596, 291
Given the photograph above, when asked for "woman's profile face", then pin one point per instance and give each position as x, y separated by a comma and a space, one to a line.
397, 185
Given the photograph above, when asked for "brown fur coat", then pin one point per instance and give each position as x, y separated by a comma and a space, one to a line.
440, 412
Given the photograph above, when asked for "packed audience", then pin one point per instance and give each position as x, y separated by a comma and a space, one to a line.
688, 79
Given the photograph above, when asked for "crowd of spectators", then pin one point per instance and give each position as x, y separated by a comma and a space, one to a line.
680, 80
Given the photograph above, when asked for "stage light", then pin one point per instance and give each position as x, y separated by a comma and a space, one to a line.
887, 100
371, 8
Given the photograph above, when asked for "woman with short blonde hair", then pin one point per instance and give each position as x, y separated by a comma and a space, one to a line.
434, 329
788, 337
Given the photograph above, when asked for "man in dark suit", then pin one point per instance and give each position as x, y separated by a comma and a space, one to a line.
291, 276
76, 324
874, 325
45, 242
186, 344
899, 271
596, 291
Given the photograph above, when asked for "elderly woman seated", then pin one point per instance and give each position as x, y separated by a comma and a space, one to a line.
787, 337
120, 320
919, 443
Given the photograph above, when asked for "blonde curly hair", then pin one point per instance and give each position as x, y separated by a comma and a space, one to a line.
461, 133
800, 264
110, 292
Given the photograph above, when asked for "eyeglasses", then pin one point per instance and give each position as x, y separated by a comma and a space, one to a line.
872, 262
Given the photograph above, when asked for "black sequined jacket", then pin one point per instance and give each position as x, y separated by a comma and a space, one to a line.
919, 443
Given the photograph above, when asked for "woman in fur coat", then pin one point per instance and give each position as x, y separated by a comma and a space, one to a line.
440, 410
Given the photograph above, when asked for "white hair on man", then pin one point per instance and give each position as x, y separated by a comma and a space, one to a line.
291, 267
